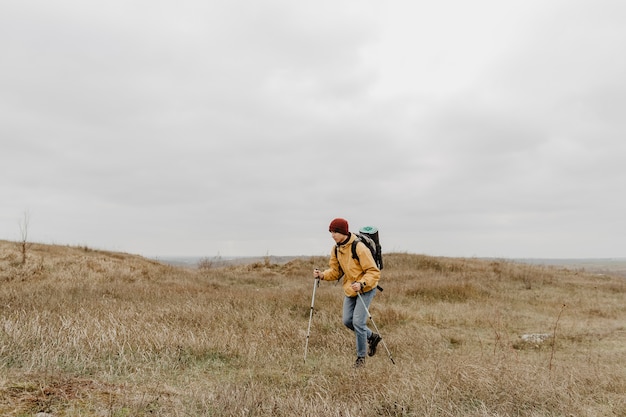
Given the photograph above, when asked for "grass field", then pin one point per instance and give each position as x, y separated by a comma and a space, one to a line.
93, 333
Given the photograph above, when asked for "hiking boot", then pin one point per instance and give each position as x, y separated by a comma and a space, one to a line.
373, 342
360, 362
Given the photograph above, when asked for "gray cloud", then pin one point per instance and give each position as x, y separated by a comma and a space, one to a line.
242, 128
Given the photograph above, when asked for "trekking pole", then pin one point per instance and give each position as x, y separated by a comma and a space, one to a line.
308, 332
376, 327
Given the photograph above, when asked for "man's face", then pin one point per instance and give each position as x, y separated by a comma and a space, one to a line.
338, 237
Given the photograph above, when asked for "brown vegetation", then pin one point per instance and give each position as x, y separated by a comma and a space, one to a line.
92, 333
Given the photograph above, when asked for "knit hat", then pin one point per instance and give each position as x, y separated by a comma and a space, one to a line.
340, 226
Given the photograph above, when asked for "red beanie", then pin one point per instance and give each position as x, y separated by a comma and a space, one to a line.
339, 226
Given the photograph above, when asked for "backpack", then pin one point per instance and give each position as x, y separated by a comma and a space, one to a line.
369, 236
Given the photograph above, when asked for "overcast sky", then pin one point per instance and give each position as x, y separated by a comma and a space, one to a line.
488, 128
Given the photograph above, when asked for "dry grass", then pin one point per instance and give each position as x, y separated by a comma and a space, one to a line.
91, 333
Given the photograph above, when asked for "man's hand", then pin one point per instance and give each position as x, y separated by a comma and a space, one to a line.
318, 274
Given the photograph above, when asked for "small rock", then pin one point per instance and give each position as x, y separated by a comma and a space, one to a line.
536, 338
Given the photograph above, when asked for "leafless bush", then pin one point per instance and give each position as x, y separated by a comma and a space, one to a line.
205, 263
23, 243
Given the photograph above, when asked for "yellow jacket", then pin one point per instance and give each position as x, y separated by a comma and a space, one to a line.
362, 270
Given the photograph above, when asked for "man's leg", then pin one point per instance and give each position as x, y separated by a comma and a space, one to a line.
348, 311
359, 322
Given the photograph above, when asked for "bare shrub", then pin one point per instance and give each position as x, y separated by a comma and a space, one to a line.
23, 243
205, 263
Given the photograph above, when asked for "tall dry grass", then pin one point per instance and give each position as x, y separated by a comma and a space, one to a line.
91, 333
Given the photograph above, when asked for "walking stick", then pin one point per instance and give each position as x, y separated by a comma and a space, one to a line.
375, 327
308, 331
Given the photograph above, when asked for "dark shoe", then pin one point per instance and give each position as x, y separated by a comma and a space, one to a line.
360, 362
373, 342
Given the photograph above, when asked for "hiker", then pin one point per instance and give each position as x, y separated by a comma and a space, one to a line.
359, 276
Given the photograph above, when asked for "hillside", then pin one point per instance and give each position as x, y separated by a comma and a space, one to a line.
93, 333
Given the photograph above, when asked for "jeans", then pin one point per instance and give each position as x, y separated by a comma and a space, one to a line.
355, 319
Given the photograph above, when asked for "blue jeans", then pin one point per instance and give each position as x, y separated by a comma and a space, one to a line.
355, 319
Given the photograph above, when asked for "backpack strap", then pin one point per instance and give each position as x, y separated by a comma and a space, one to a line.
341, 273
354, 254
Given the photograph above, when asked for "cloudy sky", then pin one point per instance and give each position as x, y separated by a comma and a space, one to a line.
241, 128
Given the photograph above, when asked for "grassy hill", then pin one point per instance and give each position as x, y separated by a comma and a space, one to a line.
93, 333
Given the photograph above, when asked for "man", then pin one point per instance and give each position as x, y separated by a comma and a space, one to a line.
360, 276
